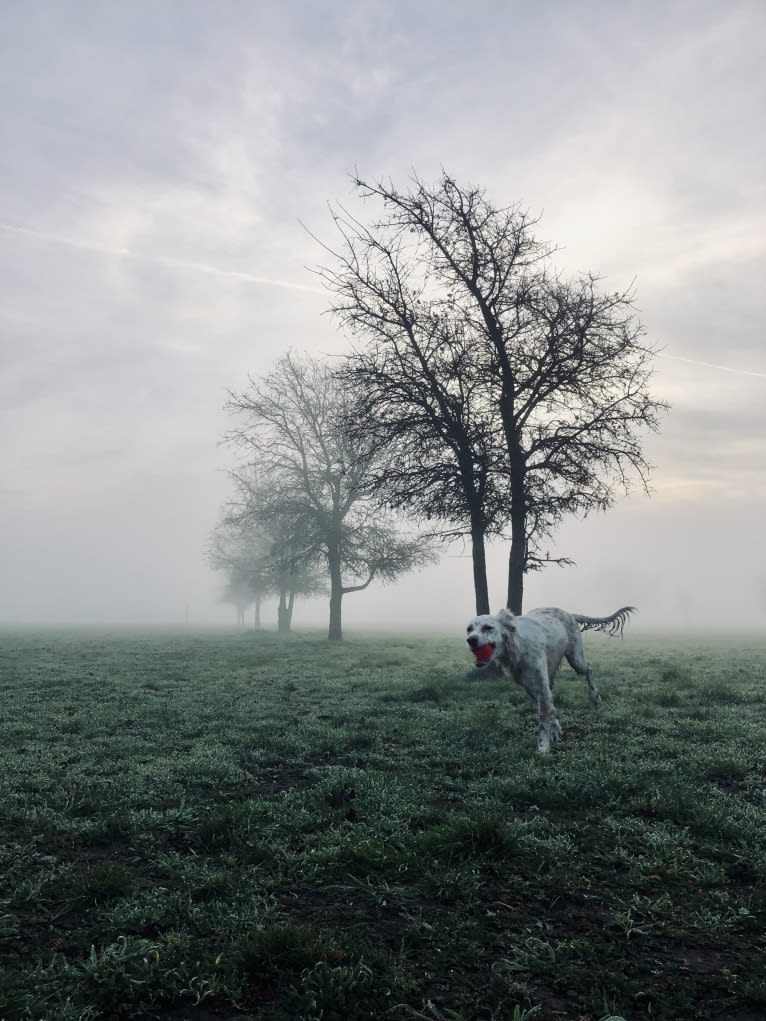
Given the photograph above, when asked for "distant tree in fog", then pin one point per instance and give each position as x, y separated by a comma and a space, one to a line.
263, 557
289, 559
239, 555
505, 396
313, 477
237, 593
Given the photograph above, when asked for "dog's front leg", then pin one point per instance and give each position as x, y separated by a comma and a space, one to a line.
549, 729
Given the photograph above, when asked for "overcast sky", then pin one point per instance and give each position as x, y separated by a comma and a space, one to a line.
155, 161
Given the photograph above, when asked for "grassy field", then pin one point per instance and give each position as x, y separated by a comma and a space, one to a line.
221, 826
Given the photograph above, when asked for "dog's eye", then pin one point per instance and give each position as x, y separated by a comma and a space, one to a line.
486, 628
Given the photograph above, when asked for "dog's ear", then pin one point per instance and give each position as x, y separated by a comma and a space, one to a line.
507, 618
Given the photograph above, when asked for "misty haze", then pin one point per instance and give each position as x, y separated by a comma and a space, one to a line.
153, 257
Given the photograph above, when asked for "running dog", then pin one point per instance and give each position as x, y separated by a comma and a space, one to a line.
530, 648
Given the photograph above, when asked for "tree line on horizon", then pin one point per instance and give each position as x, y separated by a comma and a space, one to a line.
484, 396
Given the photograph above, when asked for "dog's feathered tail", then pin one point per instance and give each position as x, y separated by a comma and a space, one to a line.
611, 625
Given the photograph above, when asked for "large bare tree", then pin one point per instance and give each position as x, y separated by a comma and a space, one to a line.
506, 395
292, 431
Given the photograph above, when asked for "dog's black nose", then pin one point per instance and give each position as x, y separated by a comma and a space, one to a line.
473, 641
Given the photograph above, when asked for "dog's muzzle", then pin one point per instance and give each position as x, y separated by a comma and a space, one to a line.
482, 653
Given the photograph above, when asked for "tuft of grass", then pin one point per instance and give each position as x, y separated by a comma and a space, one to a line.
327, 993
676, 677
720, 692
282, 947
88, 883
726, 769
667, 699
482, 833
426, 693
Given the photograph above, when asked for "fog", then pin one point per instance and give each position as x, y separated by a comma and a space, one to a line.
156, 165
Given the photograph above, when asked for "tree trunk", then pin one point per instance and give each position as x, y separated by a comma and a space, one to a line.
516, 565
517, 560
481, 588
335, 633
283, 612
257, 622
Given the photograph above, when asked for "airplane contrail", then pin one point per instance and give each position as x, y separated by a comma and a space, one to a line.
250, 278
714, 365
160, 260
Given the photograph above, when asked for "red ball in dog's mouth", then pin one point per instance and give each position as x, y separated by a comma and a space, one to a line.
483, 653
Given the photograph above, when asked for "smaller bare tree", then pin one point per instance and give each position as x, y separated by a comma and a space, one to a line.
311, 474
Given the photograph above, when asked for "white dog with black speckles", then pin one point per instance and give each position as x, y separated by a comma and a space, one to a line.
530, 649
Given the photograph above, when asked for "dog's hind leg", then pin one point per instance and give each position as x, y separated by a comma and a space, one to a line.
593, 692
580, 665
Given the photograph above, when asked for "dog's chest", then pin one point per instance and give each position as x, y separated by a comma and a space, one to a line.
512, 671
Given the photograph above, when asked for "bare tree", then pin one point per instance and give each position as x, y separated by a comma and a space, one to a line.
311, 475
241, 555
238, 594
531, 391
287, 558
264, 553
413, 396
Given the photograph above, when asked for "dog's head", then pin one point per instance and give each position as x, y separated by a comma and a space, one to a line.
488, 635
